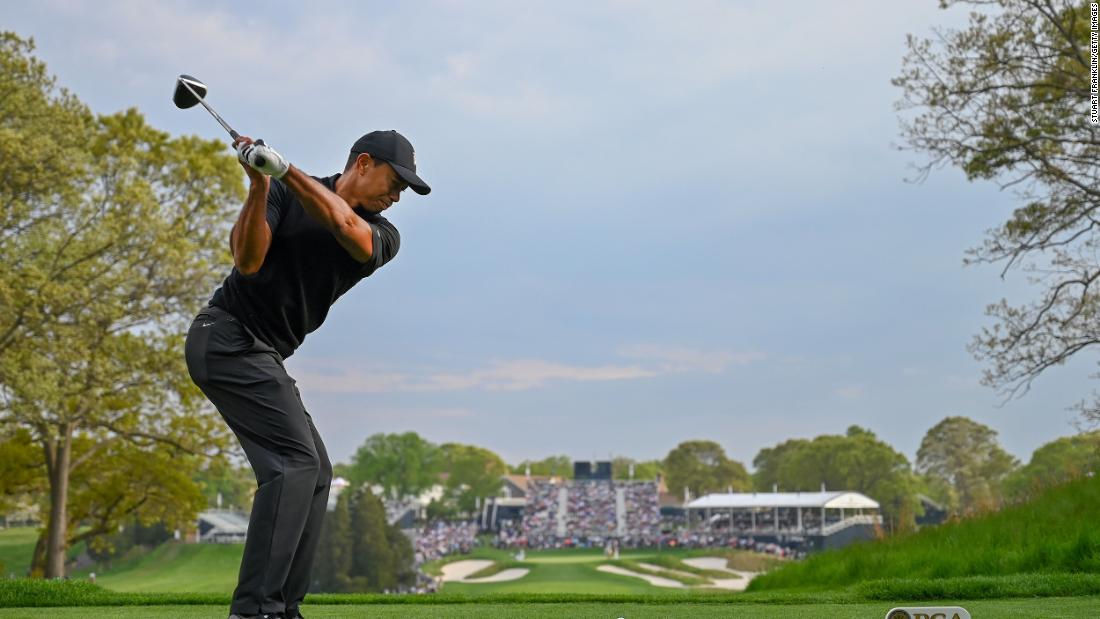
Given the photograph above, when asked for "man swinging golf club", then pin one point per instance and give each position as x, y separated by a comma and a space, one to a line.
298, 244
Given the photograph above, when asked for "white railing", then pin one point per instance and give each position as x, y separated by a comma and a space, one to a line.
850, 521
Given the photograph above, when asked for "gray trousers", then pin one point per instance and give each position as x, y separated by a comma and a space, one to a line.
245, 379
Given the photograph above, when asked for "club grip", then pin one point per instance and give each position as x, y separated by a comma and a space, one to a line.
260, 161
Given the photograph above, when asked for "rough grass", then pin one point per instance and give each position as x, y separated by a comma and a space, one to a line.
1056, 533
741, 560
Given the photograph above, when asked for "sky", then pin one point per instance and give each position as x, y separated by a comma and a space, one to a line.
650, 222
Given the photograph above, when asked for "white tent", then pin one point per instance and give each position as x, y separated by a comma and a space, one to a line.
746, 500
819, 513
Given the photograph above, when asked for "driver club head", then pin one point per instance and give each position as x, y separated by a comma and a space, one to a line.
184, 97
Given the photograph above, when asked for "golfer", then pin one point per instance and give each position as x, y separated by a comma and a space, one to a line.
299, 243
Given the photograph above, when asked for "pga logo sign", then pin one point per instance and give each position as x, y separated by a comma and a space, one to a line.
928, 612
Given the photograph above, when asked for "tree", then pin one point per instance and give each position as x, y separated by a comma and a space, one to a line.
1007, 100
332, 565
702, 467
111, 233
359, 551
473, 473
857, 461
557, 466
22, 470
372, 561
235, 484
1056, 462
621, 467
766, 463
132, 533
401, 548
966, 456
128, 482
403, 464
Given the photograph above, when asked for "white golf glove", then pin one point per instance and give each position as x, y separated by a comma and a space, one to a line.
263, 158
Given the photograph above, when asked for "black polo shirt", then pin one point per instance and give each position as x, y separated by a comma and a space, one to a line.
303, 274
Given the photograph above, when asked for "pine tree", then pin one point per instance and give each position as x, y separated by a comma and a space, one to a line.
402, 549
372, 559
333, 563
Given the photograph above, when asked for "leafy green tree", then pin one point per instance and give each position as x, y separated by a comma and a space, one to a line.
472, 473
236, 484
767, 462
403, 464
111, 235
645, 470
702, 467
129, 483
1007, 99
133, 533
966, 456
22, 469
559, 466
857, 461
1056, 462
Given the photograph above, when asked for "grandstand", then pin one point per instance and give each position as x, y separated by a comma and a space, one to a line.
222, 526
821, 519
591, 508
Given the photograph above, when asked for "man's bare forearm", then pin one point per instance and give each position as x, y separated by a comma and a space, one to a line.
251, 236
332, 212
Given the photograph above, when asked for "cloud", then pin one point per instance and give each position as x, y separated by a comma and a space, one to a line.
516, 374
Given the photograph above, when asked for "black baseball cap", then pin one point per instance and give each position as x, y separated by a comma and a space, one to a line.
393, 148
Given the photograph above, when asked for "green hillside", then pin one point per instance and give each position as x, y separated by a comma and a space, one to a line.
1057, 532
17, 550
175, 567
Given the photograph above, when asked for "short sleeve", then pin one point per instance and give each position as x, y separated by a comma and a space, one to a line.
277, 197
386, 242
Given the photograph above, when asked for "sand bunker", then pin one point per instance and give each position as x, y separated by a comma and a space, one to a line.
459, 571
513, 573
739, 581
656, 581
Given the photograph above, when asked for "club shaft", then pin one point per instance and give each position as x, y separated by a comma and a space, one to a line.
217, 117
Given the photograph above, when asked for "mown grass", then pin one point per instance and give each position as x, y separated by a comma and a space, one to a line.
23, 593
1049, 608
1056, 533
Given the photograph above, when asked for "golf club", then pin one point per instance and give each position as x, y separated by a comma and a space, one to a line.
189, 91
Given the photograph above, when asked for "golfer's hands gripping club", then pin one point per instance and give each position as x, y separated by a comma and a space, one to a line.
260, 157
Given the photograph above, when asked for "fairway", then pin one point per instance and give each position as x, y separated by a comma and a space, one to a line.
1051, 608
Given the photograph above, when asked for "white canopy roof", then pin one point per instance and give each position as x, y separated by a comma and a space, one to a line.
745, 500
